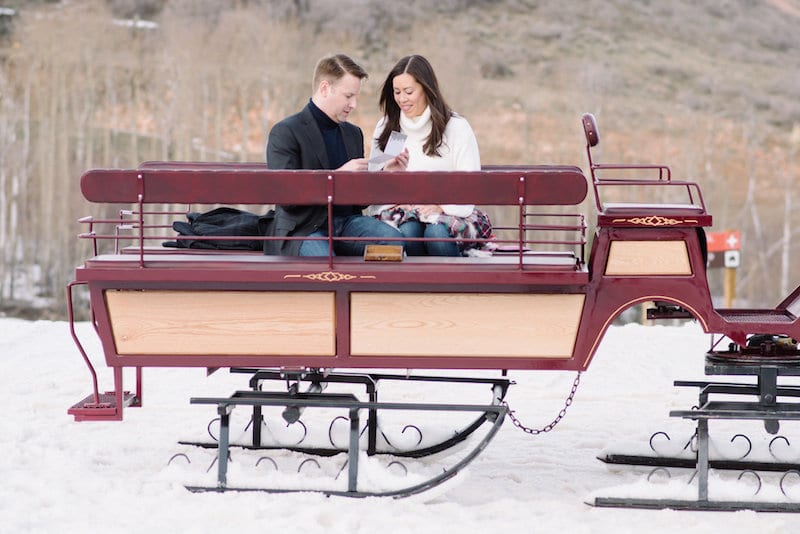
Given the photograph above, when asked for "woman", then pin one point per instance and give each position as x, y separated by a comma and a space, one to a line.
437, 140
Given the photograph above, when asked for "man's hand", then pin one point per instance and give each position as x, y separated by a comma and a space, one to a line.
356, 164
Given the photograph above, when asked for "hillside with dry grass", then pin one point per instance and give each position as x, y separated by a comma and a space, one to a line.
711, 88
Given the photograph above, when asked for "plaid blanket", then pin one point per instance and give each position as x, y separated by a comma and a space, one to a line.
475, 226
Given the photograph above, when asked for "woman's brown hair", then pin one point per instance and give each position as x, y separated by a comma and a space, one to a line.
422, 71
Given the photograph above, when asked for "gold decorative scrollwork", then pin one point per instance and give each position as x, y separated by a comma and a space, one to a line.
326, 276
656, 220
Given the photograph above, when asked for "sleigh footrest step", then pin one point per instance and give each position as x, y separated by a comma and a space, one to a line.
105, 409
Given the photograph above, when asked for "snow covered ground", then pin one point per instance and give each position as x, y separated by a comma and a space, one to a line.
62, 476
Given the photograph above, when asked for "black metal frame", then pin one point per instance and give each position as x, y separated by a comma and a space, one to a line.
370, 381
349, 402
766, 407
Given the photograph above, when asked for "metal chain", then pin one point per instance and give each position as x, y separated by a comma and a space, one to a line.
554, 422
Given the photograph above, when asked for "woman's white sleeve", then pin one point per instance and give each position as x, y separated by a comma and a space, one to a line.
467, 155
467, 158
457, 210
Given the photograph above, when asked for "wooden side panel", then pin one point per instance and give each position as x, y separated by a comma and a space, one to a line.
627, 258
464, 324
222, 322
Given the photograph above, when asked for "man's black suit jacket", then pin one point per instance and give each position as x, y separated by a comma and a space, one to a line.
296, 143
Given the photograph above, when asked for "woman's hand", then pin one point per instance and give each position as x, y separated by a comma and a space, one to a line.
429, 212
398, 163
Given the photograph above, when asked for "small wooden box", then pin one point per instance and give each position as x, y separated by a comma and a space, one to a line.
383, 253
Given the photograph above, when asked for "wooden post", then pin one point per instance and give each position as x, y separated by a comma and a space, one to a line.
643, 318
730, 286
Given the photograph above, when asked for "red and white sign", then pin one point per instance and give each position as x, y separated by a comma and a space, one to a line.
722, 241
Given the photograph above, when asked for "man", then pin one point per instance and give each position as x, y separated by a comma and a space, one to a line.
319, 137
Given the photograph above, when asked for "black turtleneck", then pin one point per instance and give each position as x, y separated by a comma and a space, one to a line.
332, 135
334, 145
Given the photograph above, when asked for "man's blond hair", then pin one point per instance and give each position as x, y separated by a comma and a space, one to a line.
334, 67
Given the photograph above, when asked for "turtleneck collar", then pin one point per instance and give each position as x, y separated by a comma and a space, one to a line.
417, 124
324, 122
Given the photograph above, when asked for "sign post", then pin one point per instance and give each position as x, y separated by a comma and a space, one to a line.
724, 251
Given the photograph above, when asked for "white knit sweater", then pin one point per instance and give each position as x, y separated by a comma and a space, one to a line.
458, 152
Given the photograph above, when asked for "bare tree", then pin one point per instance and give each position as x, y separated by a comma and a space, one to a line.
205, 80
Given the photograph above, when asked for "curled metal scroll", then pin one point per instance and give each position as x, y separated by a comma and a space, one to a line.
652, 437
749, 446
415, 427
395, 447
270, 460
753, 473
691, 444
305, 430
179, 455
330, 429
773, 440
306, 461
395, 462
657, 470
208, 428
783, 478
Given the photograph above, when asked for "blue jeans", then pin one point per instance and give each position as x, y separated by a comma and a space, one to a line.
431, 248
351, 226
